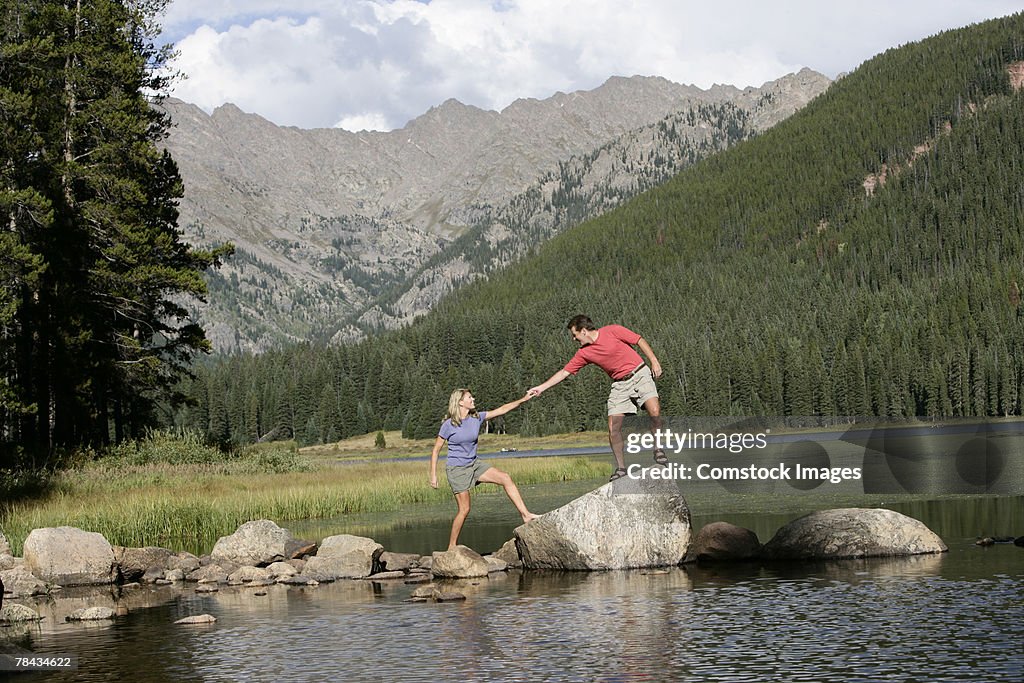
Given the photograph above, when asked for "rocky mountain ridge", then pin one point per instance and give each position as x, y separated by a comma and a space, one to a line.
339, 233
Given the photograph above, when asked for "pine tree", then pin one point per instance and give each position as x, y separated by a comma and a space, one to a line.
99, 332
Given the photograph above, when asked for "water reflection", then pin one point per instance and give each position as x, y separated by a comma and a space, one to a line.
841, 621
938, 617
852, 571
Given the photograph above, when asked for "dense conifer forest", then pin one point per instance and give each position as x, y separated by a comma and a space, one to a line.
92, 268
864, 257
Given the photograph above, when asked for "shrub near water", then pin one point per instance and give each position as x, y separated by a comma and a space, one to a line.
187, 447
173, 491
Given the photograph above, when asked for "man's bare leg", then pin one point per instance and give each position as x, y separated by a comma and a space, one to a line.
615, 439
653, 408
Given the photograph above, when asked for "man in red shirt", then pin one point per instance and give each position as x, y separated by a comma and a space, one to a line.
611, 349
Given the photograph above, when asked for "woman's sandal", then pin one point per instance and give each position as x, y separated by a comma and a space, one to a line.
660, 457
619, 473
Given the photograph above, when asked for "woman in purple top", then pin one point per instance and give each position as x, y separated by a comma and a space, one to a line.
460, 430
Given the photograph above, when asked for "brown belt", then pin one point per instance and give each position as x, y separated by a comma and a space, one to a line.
631, 375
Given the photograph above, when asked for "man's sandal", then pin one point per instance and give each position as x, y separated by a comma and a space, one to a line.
619, 473
660, 457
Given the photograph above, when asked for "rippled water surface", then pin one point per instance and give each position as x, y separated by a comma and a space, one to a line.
952, 617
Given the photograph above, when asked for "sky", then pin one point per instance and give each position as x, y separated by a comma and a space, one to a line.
377, 64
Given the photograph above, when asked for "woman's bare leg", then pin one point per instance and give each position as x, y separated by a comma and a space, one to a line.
462, 500
496, 476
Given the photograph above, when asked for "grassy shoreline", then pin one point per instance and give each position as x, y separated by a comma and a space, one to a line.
187, 506
176, 492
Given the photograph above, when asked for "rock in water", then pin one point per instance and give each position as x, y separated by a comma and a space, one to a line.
135, 562
14, 613
625, 524
724, 542
852, 532
248, 575
22, 583
91, 614
257, 543
508, 553
345, 557
459, 563
399, 561
198, 619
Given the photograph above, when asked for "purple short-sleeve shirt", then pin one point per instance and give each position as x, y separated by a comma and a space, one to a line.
462, 439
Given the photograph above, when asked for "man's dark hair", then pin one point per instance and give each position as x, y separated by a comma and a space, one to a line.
580, 323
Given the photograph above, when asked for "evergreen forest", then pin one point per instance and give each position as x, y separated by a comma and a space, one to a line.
93, 272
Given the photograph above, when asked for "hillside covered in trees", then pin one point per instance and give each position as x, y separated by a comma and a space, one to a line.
864, 257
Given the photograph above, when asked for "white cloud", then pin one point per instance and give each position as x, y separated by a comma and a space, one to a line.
372, 120
379, 63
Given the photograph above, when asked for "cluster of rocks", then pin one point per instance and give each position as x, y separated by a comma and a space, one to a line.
636, 523
625, 524
993, 540
824, 535
258, 554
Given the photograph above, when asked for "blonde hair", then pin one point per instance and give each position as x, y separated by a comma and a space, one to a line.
454, 411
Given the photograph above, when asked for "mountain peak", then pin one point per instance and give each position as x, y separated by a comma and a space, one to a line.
348, 215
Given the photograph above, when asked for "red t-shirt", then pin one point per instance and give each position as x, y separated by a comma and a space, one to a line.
612, 352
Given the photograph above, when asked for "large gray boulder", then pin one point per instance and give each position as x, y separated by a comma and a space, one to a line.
724, 542
345, 557
67, 556
257, 543
852, 532
624, 524
460, 562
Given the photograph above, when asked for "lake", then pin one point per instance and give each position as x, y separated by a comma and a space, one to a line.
953, 617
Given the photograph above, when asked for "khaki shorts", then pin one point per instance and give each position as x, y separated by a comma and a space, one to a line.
464, 477
628, 395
